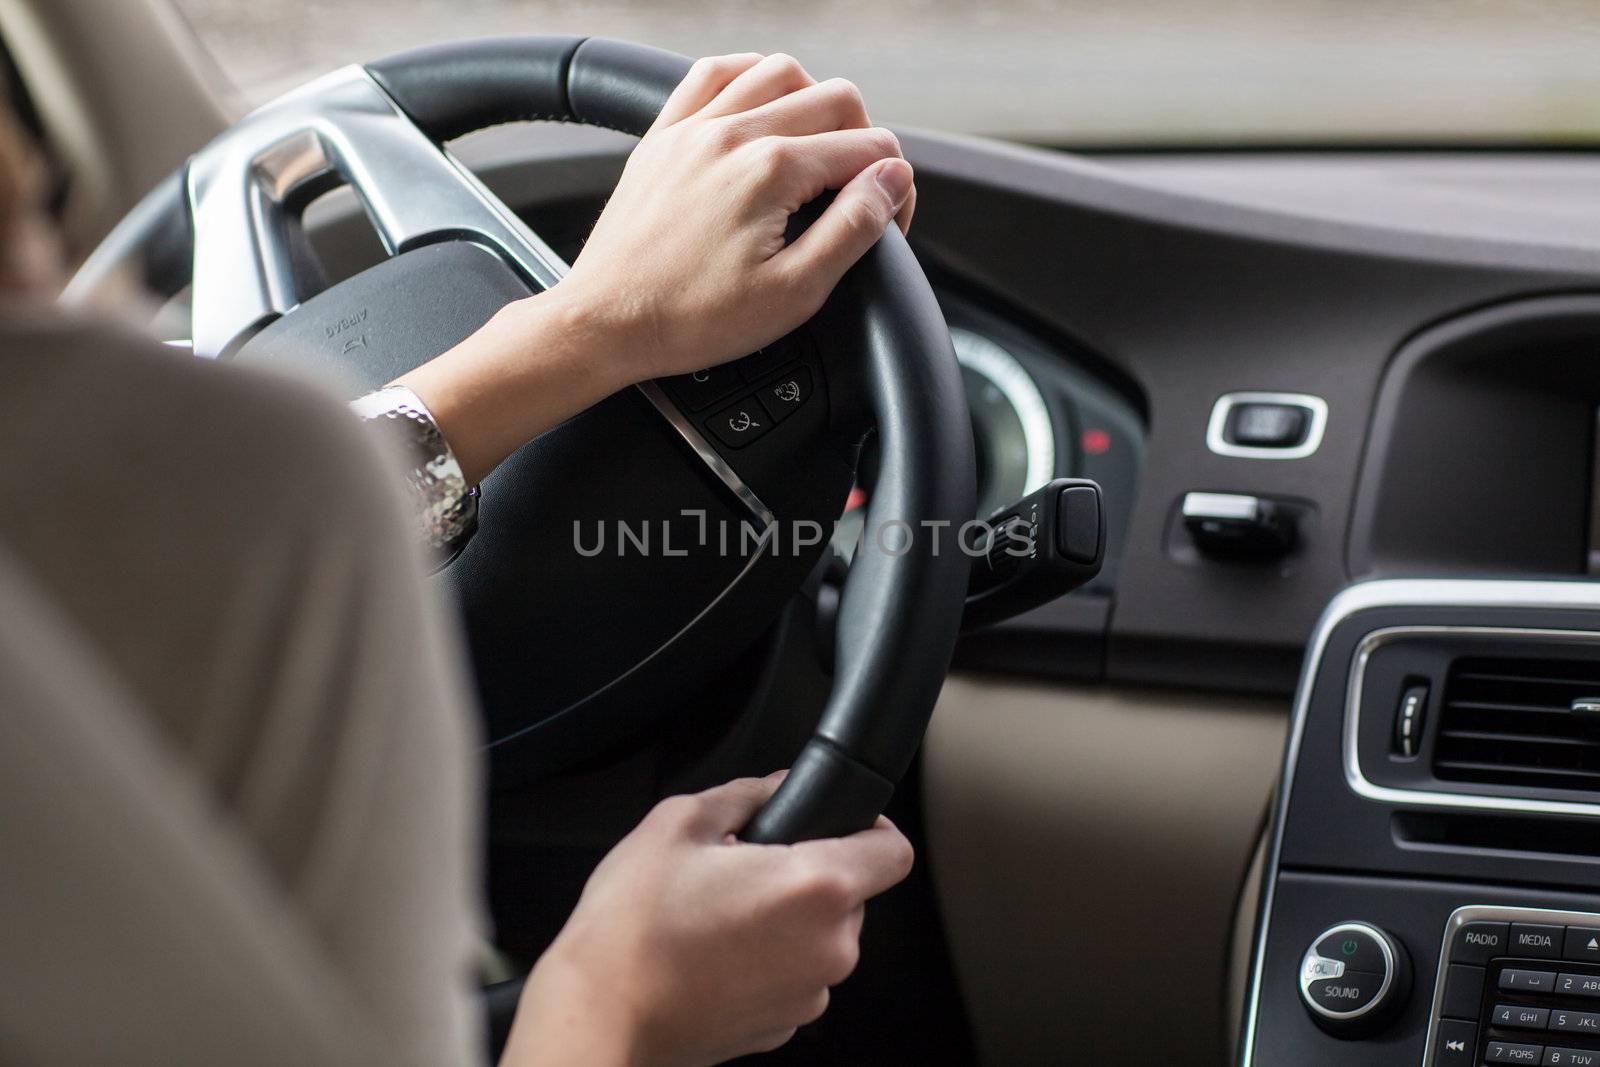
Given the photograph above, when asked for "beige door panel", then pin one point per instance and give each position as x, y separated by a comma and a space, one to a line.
1089, 846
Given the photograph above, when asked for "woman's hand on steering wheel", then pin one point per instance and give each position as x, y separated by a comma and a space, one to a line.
688, 265
689, 947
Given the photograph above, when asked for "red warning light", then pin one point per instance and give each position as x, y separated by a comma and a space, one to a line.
1096, 442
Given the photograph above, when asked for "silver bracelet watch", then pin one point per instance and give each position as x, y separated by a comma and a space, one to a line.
446, 506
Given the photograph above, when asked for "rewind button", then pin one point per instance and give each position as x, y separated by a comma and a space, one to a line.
1455, 1043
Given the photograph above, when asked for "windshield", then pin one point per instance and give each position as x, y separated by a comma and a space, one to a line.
1067, 72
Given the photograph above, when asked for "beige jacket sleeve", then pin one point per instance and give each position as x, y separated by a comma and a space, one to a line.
253, 827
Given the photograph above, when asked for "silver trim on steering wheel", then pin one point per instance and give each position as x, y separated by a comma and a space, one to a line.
242, 189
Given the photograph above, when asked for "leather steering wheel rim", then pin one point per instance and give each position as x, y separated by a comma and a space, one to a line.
902, 602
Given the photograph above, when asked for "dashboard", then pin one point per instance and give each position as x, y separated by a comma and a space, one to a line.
1440, 336
1434, 316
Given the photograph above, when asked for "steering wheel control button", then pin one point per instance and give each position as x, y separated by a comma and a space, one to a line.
1479, 942
1511, 1052
703, 388
760, 364
1581, 943
1457, 1044
1519, 1017
784, 396
1576, 985
1353, 979
1536, 942
1517, 980
741, 423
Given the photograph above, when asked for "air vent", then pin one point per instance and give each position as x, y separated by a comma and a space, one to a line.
1510, 721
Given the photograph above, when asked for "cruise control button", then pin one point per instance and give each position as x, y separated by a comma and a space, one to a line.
1578, 985
1351, 991
1463, 990
1586, 1022
784, 396
1508, 1052
703, 388
738, 425
1543, 942
1581, 943
1570, 1057
1515, 978
768, 359
1520, 1017
1457, 1044
1358, 952
1479, 942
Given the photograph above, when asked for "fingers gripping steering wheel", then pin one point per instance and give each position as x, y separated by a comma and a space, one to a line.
572, 651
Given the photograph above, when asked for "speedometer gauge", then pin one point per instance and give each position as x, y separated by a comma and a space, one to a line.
1012, 429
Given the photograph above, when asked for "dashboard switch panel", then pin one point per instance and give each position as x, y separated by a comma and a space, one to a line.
1237, 525
1267, 425
1535, 1004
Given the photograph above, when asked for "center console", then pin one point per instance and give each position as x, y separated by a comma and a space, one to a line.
1432, 888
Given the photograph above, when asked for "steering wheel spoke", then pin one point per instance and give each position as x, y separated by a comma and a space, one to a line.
246, 188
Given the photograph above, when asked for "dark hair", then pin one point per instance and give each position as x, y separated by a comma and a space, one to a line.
29, 246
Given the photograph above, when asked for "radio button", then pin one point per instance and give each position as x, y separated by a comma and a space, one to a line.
1507, 1052
1463, 989
1577, 985
1570, 1057
1582, 943
1521, 981
1457, 1044
1586, 1022
1519, 1017
1354, 978
1351, 991
1540, 942
1479, 942
1356, 950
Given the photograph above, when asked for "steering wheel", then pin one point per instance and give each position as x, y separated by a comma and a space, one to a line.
733, 475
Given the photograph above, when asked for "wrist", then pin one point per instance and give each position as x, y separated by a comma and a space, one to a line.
584, 340
618, 325
568, 1016
536, 363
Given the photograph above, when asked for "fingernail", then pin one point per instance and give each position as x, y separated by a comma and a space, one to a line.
894, 178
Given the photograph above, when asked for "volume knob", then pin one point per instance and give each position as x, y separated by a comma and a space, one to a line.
1354, 978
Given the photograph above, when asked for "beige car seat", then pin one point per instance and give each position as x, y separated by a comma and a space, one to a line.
136, 927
